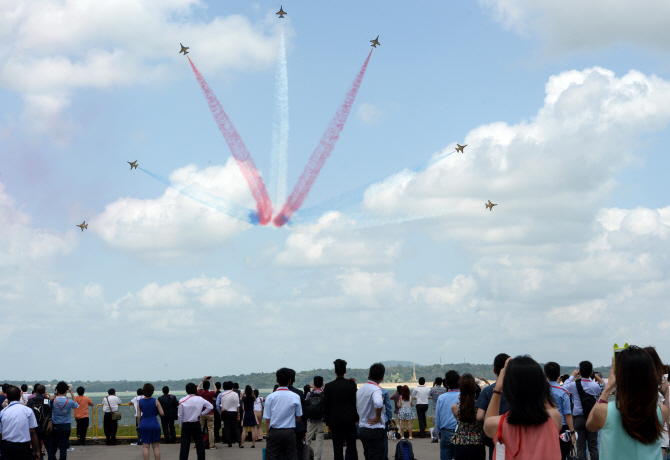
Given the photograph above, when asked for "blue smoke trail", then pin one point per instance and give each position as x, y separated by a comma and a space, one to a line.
231, 209
279, 156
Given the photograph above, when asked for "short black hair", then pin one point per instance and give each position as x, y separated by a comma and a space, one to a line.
205, 385
148, 390
585, 369
565, 377
340, 367
256, 393
438, 381
422, 381
228, 385
292, 376
191, 388
40, 389
13, 393
552, 370
283, 376
166, 390
24, 387
111, 392
398, 388
318, 381
275, 387
5, 387
61, 388
217, 385
499, 362
236, 386
451, 379
80, 391
377, 371
140, 392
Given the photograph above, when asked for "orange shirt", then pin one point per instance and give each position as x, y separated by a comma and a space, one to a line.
82, 410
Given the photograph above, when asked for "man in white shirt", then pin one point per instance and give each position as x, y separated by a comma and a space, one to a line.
228, 405
17, 429
136, 402
283, 409
191, 407
110, 403
369, 405
421, 394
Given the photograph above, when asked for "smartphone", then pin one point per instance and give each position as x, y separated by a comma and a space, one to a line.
617, 351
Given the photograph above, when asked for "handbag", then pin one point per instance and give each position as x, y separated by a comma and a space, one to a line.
116, 415
47, 423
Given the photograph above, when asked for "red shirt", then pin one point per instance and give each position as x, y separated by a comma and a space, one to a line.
208, 396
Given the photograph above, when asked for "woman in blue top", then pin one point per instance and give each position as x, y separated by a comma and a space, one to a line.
60, 416
147, 422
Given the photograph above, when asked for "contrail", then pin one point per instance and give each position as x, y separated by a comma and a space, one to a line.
279, 157
227, 207
367, 220
238, 149
322, 151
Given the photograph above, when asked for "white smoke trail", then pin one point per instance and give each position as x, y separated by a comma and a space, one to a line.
279, 156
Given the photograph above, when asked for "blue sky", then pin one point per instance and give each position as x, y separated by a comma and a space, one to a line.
564, 110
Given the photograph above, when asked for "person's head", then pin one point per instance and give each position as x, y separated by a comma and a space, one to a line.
422, 381
499, 362
283, 376
140, 392
227, 386
565, 377
658, 364
340, 367
24, 388
256, 394
318, 381
291, 376
585, 369
35, 386
236, 386
451, 379
166, 390
148, 390
404, 393
438, 381
217, 385
5, 387
637, 394
249, 393
398, 389
527, 391
275, 387
40, 389
61, 388
13, 393
80, 391
111, 392
377, 371
191, 389
205, 385
553, 371
467, 387
307, 388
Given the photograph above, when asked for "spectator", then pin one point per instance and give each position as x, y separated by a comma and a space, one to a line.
147, 422
445, 421
110, 404
584, 393
564, 378
435, 392
306, 389
249, 420
631, 424
561, 398
3, 394
300, 425
421, 394
81, 415
170, 406
236, 389
228, 405
283, 409
24, 394
62, 422
484, 400
406, 413
370, 405
207, 419
41, 407
387, 419
339, 399
191, 407
529, 429
258, 410
17, 428
663, 396
395, 397
135, 402
217, 416
315, 416
467, 439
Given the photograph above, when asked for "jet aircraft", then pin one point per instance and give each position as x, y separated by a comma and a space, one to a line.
281, 12
460, 147
133, 164
183, 49
83, 226
490, 205
375, 42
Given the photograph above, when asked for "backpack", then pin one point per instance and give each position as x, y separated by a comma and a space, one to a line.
42, 410
588, 401
404, 451
315, 406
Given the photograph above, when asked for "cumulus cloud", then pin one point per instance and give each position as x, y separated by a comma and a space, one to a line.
369, 114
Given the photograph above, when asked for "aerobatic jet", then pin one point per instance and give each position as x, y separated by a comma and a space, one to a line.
460, 147
375, 42
281, 12
490, 205
83, 225
183, 49
133, 164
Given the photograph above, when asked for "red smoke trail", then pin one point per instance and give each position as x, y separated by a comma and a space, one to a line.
322, 151
239, 151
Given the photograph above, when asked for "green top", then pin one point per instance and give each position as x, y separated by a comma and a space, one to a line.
616, 444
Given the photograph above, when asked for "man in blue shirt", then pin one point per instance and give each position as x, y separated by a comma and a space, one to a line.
591, 389
562, 399
61, 408
445, 421
387, 417
485, 399
283, 409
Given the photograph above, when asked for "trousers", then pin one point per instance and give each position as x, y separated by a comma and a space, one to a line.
446, 447
208, 420
342, 433
421, 410
169, 432
318, 429
191, 430
230, 430
16, 450
82, 428
373, 442
110, 426
60, 438
280, 443
583, 437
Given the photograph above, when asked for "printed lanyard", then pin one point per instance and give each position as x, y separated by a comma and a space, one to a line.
283, 389
185, 400
561, 388
373, 383
61, 408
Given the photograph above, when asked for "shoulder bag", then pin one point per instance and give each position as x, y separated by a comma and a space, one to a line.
116, 415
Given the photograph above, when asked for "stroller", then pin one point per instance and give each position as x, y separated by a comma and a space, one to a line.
392, 430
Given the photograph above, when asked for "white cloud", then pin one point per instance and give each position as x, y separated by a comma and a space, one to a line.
369, 114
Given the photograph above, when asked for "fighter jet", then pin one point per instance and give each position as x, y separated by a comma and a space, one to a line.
460, 147
132, 165
281, 12
489, 205
375, 42
83, 226
183, 49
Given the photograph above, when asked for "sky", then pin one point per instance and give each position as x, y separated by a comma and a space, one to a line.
564, 107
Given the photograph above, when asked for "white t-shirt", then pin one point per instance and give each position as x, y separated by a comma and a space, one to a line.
258, 404
112, 401
421, 394
135, 402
